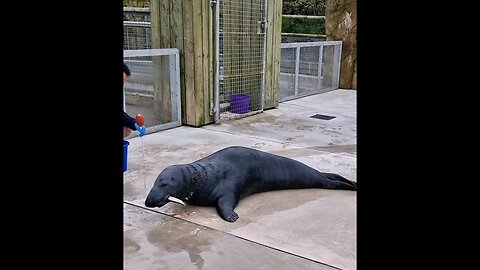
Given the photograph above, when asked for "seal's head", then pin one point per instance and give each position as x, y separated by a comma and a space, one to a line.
168, 187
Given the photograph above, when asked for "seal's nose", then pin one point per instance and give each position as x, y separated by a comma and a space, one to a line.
149, 203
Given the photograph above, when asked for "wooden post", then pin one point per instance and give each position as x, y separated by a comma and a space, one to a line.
206, 55
277, 49
273, 51
197, 58
177, 34
161, 77
189, 113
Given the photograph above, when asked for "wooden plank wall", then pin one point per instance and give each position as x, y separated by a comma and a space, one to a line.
187, 79
273, 50
161, 39
187, 25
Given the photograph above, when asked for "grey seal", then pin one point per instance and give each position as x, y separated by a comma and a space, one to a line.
223, 178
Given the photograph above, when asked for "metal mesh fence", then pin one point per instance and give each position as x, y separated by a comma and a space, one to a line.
241, 57
328, 62
136, 14
137, 35
153, 89
287, 72
306, 67
309, 68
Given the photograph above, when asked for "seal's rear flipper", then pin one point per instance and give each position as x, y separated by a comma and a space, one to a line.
341, 182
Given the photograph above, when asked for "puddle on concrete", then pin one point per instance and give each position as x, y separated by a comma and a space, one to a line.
165, 241
167, 237
176, 244
130, 246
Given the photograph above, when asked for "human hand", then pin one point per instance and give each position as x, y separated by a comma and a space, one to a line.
141, 129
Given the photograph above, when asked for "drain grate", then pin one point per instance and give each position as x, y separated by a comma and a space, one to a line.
322, 116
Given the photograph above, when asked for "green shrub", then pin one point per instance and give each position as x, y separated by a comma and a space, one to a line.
304, 26
304, 7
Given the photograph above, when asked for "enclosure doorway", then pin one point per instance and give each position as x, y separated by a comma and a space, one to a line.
240, 58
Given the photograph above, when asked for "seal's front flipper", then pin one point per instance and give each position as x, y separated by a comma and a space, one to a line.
225, 205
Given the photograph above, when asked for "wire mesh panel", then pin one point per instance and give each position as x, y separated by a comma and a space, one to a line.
136, 14
308, 68
153, 88
287, 72
137, 35
240, 65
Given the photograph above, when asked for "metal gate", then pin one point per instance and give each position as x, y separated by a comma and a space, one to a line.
240, 58
153, 88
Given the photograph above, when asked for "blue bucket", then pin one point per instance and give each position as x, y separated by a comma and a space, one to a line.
125, 155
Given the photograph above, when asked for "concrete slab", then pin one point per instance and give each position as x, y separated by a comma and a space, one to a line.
155, 241
291, 123
316, 224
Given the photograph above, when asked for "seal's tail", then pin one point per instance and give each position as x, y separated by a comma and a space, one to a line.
335, 181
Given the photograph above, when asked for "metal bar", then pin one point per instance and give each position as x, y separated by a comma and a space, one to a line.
304, 17
217, 60
337, 54
176, 87
124, 102
304, 35
153, 129
136, 9
127, 40
240, 33
265, 18
309, 44
320, 68
149, 52
297, 67
173, 90
137, 24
